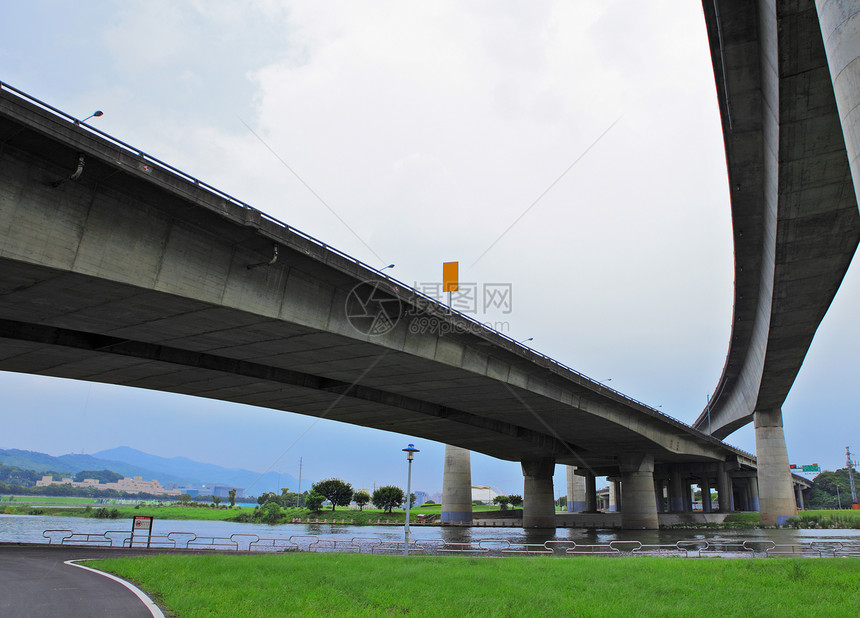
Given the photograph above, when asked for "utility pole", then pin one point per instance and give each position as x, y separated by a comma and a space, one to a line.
850, 465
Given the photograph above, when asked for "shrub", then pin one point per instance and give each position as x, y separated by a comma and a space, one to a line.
361, 498
271, 513
313, 501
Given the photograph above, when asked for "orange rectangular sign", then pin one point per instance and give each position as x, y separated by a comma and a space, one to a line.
450, 276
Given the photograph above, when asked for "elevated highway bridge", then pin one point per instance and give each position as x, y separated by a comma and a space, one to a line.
116, 268
788, 85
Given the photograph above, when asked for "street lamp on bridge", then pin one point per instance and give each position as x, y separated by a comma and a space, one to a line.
95, 114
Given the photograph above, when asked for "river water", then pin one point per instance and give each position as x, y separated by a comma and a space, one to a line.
332, 537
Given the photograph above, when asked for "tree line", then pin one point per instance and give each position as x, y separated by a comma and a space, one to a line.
831, 490
22, 477
338, 493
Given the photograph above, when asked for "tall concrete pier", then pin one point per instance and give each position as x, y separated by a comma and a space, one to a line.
639, 507
457, 486
538, 498
590, 492
776, 497
612, 506
724, 490
576, 495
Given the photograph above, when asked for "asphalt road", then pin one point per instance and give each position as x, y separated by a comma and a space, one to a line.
35, 582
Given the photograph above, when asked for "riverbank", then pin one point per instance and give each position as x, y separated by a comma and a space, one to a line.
355, 585
829, 519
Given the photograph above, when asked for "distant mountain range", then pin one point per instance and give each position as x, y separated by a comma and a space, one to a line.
131, 462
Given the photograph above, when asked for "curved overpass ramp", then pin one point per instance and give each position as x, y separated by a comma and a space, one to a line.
789, 140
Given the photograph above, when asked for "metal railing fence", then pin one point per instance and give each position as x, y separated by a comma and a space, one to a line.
699, 548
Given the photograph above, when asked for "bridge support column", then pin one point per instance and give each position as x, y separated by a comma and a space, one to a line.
753, 486
613, 495
840, 31
688, 496
676, 490
798, 493
658, 493
457, 486
724, 489
705, 486
575, 491
639, 508
538, 498
776, 495
590, 493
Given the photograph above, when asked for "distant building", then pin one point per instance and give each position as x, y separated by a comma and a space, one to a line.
484, 493
223, 491
127, 485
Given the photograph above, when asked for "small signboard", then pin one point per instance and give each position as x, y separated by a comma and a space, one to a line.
808, 468
143, 524
450, 276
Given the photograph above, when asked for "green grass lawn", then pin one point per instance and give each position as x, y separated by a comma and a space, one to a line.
830, 519
174, 511
750, 519
311, 584
806, 519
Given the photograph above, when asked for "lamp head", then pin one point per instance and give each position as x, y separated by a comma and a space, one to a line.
95, 114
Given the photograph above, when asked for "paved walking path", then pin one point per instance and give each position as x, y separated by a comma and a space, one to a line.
36, 582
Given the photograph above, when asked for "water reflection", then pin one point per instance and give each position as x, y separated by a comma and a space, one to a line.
29, 529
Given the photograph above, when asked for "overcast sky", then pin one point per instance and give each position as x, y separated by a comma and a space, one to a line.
570, 149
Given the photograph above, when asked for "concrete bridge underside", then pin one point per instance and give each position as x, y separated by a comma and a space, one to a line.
115, 269
791, 130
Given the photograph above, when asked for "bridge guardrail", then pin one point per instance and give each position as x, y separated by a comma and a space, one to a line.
438, 308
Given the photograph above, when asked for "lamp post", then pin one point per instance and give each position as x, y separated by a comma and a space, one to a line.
410, 454
95, 114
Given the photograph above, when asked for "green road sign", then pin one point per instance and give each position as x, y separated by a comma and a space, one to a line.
812, 468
